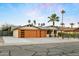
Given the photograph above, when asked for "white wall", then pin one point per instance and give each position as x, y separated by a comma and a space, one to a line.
15, 33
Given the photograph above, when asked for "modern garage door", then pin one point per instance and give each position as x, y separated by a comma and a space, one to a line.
33, 34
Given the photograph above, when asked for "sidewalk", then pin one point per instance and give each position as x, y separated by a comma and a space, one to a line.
30, 41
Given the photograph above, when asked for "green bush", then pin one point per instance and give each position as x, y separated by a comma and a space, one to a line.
71, 35
6, 33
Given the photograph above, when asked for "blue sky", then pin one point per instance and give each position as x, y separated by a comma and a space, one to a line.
20, 13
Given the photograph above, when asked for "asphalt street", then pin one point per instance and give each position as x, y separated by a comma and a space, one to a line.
55, 49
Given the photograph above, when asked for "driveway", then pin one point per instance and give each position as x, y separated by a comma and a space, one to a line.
27, 41
1, 41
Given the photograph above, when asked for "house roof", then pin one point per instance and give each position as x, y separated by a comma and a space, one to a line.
70, 29
49, 28
27, 26
76, 30
30, 26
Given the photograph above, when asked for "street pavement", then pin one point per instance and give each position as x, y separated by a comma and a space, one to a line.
58, 49
51, 47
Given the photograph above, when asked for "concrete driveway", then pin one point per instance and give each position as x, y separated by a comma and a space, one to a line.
27, 41
1, 41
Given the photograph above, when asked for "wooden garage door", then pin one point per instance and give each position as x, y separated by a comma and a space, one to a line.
33, 33
27, 33
38, 33
43, 33
30, 33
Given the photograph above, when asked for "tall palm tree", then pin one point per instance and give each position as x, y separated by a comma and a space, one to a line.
34, 21
62, 24
53, 18
71, 25
62, 12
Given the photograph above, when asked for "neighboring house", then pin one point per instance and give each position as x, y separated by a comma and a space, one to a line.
50, 30
76, 30
69, 30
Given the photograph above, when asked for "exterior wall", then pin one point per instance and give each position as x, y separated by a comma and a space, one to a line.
15, 33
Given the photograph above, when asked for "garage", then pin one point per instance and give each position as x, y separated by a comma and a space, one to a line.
32, 33
29, 32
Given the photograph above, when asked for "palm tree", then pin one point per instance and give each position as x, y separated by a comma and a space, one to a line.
29, 21
62, 12
62, 24
53, 18
38, 24
43, 24
78, 24
34, 21
71, 25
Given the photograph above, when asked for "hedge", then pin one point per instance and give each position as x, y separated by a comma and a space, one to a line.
72, 35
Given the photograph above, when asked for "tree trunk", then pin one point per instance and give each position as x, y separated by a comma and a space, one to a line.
53, 27
71, 26
62, 27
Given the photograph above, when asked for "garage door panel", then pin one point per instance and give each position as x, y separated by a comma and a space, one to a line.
27, 33
43, 33
33, 33
38, 33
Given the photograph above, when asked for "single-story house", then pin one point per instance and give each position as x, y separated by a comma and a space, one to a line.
30, 31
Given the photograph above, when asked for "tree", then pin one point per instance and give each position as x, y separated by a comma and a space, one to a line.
34, 21
53, 18
62, 12
29, 21
78, 24
42, 24
62, 24
71, 25
39, 24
